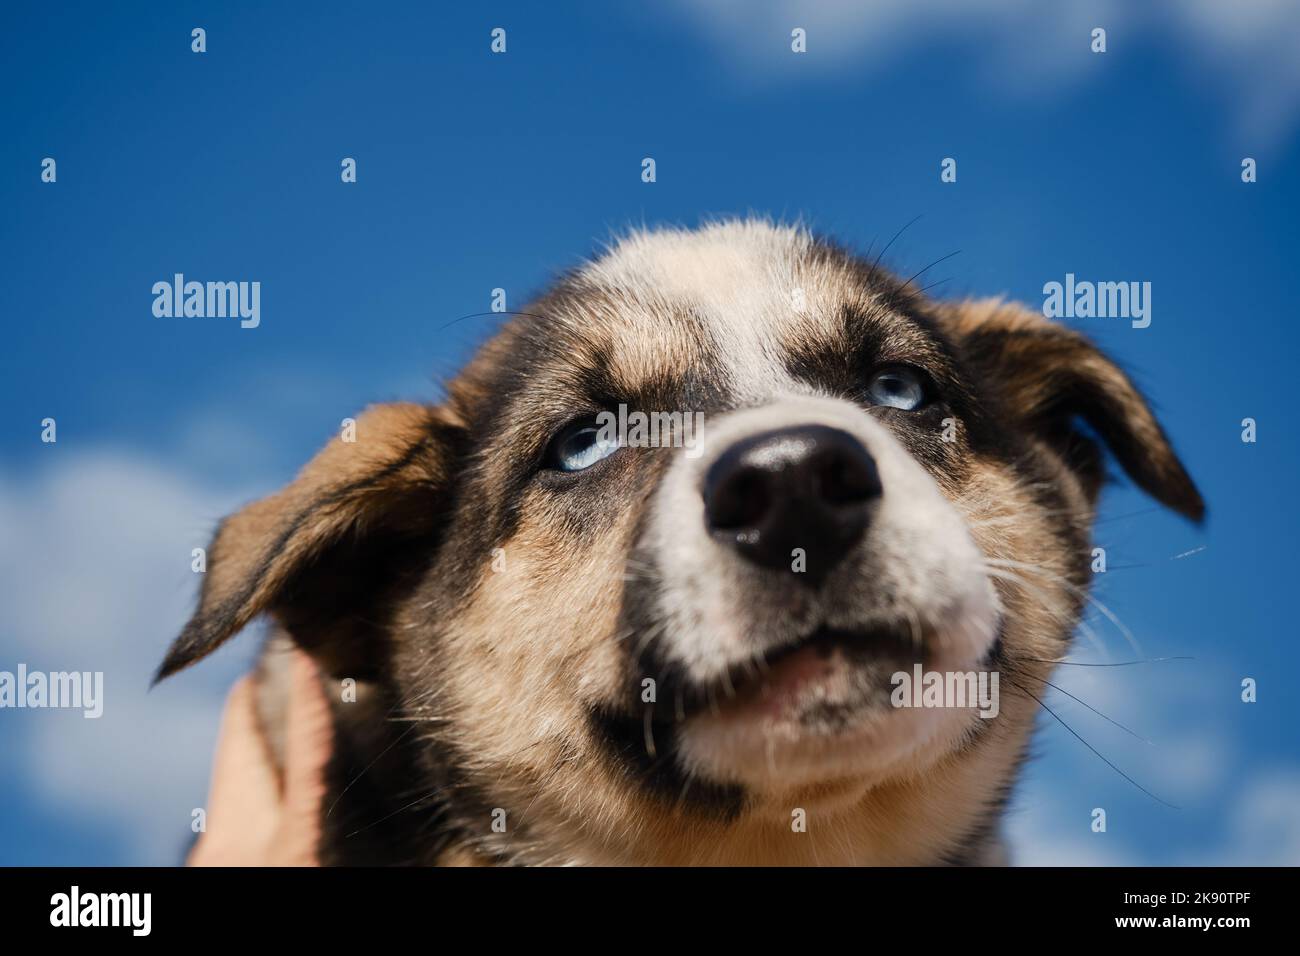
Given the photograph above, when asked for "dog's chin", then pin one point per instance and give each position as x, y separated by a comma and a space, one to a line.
819, 715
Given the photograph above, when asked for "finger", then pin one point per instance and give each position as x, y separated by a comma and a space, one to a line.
309, 742
242, 799
243, 776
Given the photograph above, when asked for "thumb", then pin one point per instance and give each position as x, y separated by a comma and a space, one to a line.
309, 741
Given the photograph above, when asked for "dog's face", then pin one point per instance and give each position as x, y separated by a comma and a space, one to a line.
679, 653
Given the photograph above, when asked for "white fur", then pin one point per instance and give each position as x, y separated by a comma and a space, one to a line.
917, 563
747, 279
751, 282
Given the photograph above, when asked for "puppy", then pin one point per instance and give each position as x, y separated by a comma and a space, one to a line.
547, 646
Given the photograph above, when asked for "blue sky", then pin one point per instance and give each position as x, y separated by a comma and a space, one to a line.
478, 171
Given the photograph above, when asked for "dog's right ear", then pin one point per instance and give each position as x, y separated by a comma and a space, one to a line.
305, 544
1049, 375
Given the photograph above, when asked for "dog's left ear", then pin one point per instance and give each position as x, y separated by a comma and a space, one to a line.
1048, 376
324, 552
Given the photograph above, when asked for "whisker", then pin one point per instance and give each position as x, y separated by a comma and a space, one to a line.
400, 738
886, 246
1097, 752
1131, 514
1075, 589
394, 813
1150, 660
1058, 687
933, 285
929, 267
479, 315
1083, 625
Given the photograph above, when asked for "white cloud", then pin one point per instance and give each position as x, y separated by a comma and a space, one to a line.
1247, 50
1264, 822
1184, 763
1183, 753
1194, 761
1036, 838
95, 576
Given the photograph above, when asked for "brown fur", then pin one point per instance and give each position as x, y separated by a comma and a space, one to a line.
479, 685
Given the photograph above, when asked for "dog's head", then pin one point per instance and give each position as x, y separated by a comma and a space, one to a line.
669, 633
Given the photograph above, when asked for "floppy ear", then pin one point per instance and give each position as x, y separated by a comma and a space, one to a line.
1048, 376
325, 552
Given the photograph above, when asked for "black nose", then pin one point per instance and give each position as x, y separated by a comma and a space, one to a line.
810, 488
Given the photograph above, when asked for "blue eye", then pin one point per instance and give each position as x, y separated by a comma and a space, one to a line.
897, 387
578, 446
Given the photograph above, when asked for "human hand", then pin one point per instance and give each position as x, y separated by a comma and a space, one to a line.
255, 818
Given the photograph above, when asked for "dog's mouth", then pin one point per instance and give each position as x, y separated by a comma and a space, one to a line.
831, 663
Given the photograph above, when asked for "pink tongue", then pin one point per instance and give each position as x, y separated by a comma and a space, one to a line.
784, 681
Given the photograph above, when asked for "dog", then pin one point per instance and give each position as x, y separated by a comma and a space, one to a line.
544, 646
